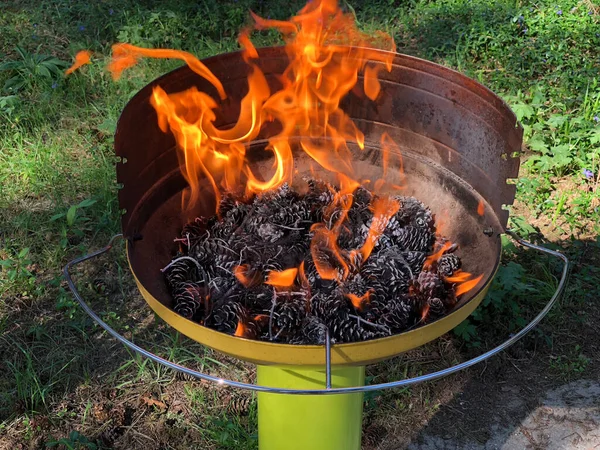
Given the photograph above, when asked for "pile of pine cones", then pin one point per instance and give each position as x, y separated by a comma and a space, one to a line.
272, 232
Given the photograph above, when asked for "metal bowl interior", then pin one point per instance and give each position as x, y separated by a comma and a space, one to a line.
456, 140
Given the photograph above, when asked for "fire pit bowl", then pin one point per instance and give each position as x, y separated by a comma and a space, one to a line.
458, 142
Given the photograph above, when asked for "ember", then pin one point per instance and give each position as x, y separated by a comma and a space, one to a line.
258, 261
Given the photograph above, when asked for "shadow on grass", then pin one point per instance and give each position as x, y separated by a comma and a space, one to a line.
493, 404
61, 372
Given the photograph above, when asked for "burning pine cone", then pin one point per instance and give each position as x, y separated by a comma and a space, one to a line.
344, 275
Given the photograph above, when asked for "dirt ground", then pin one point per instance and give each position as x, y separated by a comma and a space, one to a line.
560, 418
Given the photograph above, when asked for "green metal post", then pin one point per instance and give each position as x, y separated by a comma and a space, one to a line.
309, 422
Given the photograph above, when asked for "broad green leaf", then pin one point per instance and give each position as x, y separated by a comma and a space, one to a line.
556, 121
71, 215
108, 126
538, 98
85, 203
56, 217
23, 253
537, 144
594, 136
466, 330
562, 155
522, 110
6, 262
43, 71
9, 65
14, 84
544, 163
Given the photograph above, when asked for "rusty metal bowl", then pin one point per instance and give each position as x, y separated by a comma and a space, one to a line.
458, 141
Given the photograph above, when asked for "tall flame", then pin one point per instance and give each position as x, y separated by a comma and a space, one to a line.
383, 209
326, 54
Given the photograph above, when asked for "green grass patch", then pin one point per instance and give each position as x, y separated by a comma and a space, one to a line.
59, 371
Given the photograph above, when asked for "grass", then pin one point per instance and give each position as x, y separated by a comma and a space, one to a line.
60, 373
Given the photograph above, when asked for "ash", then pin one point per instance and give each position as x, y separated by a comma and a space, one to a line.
218, 276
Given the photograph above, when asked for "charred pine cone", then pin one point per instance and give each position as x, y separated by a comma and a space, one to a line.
312, 332
226, 315
448, 264
414, 213
355, 299
414, 239
289, 315
436, 309
181, 271
390, 268
188, 299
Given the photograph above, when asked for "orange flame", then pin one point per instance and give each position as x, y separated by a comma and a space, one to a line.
326, 54
458, 277
240, 330
481, 207
425, 312
383, 209
81, 58
389, 148
465, 281
285, 278
431, 259
359, 301
302, 276
322, 246
126, 55
465, 287
246, 275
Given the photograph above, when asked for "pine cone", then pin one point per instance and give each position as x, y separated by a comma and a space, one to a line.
269, 232
259, 299
289, 315
362, 197
357, 285
430, 285
187, 299
227, 203
195, 230
236, 214
396, 314
414, 239
436, 310
226, 315
351, 330
414, 213
313, 277
329, 307
272, 232
448, 264
181, 271
415, 260
313, 332
347, 330
239, 405
390, 269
